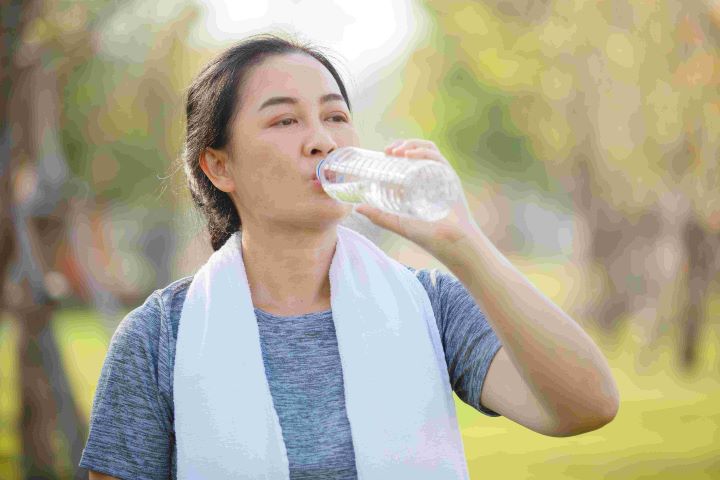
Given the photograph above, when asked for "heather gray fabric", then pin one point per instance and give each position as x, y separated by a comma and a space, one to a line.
131, 424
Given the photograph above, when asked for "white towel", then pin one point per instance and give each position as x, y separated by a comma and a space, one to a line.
398, 396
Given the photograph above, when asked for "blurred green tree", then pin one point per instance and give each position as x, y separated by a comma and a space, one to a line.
612, 103
83, 102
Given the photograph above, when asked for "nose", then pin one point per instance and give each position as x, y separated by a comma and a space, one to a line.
319, 142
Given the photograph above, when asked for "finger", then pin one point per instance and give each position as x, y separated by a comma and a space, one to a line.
418, 143
421, 152
426, 153
399, 147
394, 144
412, 144
421, 142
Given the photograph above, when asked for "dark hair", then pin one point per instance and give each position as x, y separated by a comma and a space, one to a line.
212, 100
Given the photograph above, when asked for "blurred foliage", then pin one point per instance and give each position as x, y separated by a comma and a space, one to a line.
121, 67
520, 88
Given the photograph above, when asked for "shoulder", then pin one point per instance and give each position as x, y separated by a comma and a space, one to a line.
149, 330
435, 281
160, 307
436, 284
172, 298
144, 342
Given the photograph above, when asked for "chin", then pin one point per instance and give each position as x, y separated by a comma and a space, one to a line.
325, 215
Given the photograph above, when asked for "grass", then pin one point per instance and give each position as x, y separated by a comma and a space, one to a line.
667, 426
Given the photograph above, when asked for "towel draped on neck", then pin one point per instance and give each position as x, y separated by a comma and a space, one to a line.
397, 391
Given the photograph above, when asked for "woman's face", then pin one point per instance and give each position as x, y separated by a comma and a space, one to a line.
291, 115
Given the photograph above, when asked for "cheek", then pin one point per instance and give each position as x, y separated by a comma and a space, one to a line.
279, 173
264, 168
351, 136
271, 181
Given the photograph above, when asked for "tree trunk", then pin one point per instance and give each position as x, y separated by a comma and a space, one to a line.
31, 228
702, 248
38, 417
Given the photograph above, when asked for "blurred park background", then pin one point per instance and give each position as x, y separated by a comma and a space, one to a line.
586, 134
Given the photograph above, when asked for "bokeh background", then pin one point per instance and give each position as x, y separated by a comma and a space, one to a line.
586, 135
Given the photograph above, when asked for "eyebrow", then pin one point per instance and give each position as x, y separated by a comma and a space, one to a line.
330, 97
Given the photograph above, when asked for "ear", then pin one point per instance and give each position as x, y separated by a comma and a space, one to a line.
216, 165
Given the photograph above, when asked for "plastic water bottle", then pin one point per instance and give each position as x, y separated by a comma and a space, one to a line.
424, 189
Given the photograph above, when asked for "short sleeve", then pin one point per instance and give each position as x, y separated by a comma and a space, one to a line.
468, 339
130, 431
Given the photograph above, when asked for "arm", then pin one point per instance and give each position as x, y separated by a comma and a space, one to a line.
549, 376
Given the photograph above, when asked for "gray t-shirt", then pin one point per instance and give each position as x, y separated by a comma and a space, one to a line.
131, 424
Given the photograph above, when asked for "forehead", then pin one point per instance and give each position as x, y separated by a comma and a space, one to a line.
294, 75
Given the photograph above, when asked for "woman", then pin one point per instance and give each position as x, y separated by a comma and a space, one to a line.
299, 350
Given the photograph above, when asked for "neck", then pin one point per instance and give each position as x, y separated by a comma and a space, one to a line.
289, 272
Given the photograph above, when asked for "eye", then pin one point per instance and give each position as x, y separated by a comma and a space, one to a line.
339, 118
285, 122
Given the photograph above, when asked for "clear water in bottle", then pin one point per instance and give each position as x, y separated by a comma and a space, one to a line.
424, 189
